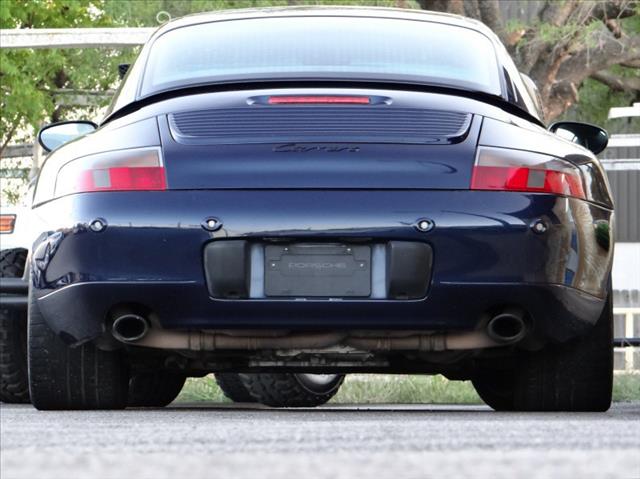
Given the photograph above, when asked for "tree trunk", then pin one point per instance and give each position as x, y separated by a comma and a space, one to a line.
571, 41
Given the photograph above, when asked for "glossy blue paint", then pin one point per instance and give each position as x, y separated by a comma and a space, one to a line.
339, 177
321, 164
151, 254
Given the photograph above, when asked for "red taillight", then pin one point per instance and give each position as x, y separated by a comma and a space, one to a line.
122, 178
516, 170
318, 99
127, 170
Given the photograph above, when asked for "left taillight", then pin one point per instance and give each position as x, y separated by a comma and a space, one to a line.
139, 169
517, 170
7, 223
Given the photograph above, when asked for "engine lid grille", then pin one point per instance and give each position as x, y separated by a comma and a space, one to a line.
278, 124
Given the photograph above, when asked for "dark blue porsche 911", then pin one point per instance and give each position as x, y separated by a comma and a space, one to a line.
284, 196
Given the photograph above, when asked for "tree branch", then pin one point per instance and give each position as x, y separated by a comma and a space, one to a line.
552, 12
442, 6
582, 62
634, 63
490, 16
472, 9
614, 27
614, 9
8, 137
607, 52
557, 13
617, 83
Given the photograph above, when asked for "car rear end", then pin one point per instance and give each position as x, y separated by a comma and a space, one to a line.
320, 234
321, 228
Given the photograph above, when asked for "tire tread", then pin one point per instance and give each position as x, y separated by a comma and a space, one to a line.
14, 384
63, 377
233, 387
574, 376
285, 390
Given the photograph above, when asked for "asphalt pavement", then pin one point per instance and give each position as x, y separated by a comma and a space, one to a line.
383, 441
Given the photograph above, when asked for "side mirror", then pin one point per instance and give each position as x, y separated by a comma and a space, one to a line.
55, 135
591, 137
123, 68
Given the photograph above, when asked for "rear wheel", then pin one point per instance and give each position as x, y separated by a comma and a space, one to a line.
14, 385
496, 389
232, 387
575, 376
292, 390
82, 377
155, 389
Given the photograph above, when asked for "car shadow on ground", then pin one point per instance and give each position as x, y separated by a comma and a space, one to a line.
360, 409
337, 408
356, 410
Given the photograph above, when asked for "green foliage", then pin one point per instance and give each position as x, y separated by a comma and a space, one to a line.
411, 389
390, 389
139, 13
596, 99
626, 387
363, 389
514, 25
553, 34
29, 78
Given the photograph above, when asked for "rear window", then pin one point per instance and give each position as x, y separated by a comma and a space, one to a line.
324, 48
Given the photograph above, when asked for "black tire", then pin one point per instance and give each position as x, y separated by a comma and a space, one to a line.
155, 389
496, 389
291, 390
12, 263
232, 387
14, 384
82, 377
575, 376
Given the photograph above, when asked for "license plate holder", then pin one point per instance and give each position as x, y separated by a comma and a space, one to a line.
317, 270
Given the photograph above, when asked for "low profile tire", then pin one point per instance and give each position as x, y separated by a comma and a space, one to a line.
496, 389
155, 389
292, 390
232, 387
14, 384
574, 376
82, 377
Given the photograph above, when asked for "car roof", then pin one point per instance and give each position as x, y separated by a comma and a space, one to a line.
323, 11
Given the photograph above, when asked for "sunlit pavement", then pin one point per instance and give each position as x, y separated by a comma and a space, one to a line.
394, 441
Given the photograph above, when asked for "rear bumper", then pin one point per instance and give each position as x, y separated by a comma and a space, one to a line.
558, 312
486, 255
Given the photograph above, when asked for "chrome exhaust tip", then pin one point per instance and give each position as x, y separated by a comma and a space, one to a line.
507, 327
129, 328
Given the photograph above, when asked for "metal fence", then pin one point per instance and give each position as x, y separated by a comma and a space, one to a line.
626, 325
625, 185
621, 160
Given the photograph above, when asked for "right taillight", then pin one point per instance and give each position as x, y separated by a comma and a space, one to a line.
516, 170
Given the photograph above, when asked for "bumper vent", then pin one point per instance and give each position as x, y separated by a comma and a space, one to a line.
271, 124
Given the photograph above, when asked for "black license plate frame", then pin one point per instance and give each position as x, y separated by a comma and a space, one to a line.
304, 270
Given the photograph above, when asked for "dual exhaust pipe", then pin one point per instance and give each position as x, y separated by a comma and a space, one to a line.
505, 328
